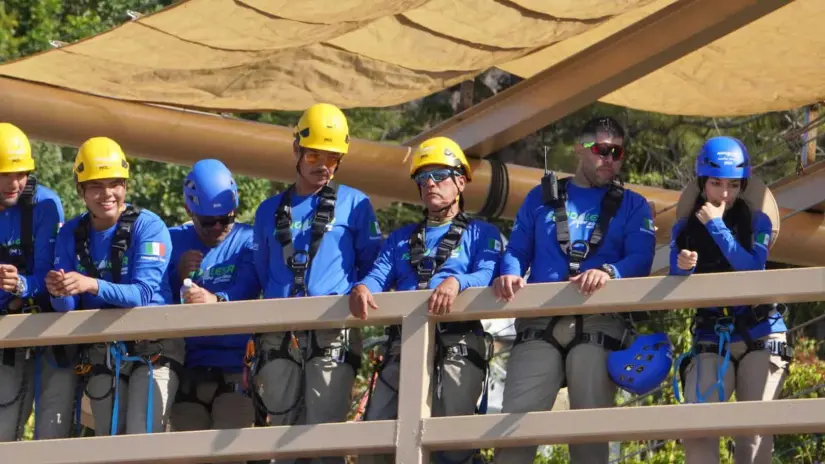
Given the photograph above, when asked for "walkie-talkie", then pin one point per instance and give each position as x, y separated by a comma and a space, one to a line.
549, 184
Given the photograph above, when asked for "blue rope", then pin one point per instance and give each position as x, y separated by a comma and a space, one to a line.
119, 356
723, 331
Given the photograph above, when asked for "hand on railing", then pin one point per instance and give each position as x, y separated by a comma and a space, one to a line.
359, 299
506, 286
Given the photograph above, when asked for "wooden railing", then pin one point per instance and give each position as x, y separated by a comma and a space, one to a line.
415, 434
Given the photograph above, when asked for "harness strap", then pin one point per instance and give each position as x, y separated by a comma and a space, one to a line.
427, 266
299, 261
580, 250
120, 243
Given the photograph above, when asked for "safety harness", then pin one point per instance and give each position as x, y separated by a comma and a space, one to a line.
726, 321
19, 257
554, 194
425, 268
117, 353
299, 263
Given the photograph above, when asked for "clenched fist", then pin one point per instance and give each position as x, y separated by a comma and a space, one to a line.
687, 260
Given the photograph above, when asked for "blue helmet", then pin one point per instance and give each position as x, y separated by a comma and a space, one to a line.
725, 158
644, 365
209, 189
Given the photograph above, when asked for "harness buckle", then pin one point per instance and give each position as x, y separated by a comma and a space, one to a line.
528, 335
578, 250
299, 261
338, 354
459, 349
596, 338
426, 266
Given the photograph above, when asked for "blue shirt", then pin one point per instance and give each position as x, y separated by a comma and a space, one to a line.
47, 218
740, 259
628, 245
143, 280
346, 252
473, 262
228, 270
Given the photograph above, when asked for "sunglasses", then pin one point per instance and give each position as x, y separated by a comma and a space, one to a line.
329, 160
438, 175
210, 221
605, 149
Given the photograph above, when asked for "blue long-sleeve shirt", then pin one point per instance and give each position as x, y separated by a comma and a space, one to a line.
473, 262
346, 253
228, 270
47, 217
628, 245
143, 280
739, 258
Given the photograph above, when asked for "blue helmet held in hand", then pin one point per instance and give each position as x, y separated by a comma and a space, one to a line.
643, 366
209, 189
723, 157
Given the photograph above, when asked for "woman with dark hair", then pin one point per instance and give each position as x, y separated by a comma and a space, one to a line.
724, 234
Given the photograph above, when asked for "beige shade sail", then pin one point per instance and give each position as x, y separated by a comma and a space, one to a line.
256, 55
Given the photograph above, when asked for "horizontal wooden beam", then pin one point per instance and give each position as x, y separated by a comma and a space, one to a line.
649, 293
210, 445
624, 424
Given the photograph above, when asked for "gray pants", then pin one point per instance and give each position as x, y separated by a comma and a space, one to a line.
228, 410
319, 393
757, 377
536, 372
57, 388
461, 385
133, 395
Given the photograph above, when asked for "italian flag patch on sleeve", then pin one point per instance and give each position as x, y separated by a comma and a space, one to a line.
154, 249
763, 239
374, 229
494, 244
648, 226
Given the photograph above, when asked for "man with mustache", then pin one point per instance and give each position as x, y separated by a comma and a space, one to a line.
215, 252
447, 252
316, 238
586, 230
30, 216
115, 255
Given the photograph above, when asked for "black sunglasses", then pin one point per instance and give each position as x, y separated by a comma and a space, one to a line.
606, 149
210, 221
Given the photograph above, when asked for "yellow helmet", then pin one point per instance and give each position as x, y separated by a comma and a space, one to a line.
323, 127
15, 150
440, 151
100, 158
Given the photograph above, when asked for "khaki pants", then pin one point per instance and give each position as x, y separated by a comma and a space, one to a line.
536, 372
757, 377
461, 385
319, 393
227, 410
56, 397
133, 396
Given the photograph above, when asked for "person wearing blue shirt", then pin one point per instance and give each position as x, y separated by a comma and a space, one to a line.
314, 239
586, 230
116, 256
725, 235
447, 252
215, 252
30, 215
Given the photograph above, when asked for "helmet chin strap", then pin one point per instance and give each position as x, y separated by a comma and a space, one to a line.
439, 213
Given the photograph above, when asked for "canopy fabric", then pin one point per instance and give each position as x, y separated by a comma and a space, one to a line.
258, 55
